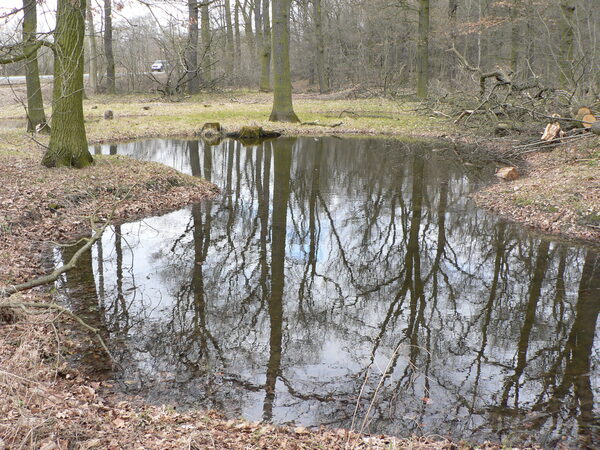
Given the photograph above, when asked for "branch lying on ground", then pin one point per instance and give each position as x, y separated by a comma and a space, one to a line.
46, 279
558, 140
61, 309
370, 116
50, 278
316, 123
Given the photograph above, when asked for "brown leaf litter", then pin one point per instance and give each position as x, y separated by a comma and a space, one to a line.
559, 195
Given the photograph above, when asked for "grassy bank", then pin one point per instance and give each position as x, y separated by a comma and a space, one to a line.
144, 116
558, 195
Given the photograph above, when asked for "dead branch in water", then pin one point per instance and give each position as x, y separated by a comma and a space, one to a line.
27, 307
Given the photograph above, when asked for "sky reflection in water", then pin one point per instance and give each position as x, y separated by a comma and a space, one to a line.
325, 260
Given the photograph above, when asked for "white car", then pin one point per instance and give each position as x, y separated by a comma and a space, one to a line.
159, 66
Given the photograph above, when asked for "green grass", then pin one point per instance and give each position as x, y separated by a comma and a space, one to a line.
237, 108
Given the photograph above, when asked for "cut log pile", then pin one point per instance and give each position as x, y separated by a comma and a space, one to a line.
565, 130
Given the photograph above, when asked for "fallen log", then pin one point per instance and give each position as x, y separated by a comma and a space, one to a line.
316, 123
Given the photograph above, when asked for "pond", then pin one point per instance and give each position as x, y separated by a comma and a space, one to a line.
349, 283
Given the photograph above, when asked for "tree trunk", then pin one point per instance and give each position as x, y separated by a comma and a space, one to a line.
566, 42
452, 12
238, 39
206, 42
265, 56
68, 143
423, 50
36, 118
229, 48
108, 48
191, 51
530, 47
515, 35
248, 31
283, 110
321, 70
93, 56
258, 35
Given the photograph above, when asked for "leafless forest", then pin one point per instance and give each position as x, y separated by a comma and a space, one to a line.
434, 49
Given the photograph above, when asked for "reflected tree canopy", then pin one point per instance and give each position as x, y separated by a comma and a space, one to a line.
328, 262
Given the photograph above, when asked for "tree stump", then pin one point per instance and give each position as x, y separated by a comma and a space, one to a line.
552, 130
211, 131
588, 120
252, 135
213, 126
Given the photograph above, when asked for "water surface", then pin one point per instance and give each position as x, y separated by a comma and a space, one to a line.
333, 273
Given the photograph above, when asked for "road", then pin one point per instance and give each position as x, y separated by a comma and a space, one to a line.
20, 79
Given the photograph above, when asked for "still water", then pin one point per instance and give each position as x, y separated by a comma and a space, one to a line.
352, 283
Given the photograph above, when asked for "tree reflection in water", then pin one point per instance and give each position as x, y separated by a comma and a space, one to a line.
323, 256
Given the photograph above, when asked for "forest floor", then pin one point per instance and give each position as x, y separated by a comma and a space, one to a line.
45, 403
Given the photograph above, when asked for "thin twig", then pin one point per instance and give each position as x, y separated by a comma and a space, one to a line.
52, 306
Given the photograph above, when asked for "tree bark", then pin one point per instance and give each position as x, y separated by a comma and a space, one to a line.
423, 50
283, 110
68, 143
229, 47
566, 42
515, 35
265, 56
36, 118
93, 56
206, 42
191, 51
258, 35
452, 12
237, 60
108, 48
320, 44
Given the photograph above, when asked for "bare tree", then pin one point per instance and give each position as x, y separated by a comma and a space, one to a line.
108, 47
36, 118
283, 110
